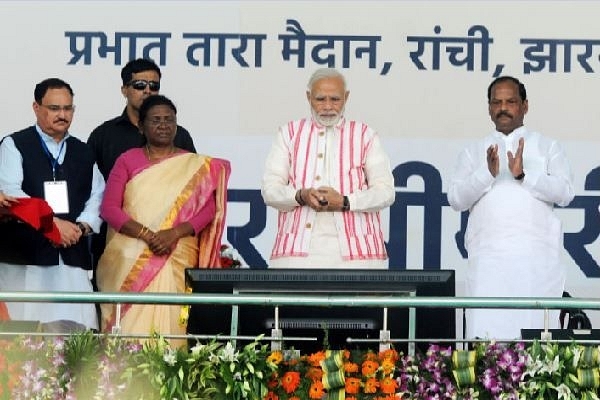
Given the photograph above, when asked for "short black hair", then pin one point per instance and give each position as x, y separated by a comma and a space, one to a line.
138, 65
522, 91
51, 83
155, 100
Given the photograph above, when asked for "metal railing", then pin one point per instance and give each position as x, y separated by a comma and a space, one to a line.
306, 300
277, 300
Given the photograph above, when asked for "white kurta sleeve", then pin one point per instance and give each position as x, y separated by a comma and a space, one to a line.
91, 211
555, 184
11, 169
277, 191
470, 181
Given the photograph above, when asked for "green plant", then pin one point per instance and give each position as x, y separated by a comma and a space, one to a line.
177, 373
554, 371
244, 374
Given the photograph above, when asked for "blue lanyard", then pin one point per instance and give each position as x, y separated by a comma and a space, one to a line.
52, 159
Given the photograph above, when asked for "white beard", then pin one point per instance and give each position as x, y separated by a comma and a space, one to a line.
329, 120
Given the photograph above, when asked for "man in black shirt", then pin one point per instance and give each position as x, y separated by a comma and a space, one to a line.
141, 78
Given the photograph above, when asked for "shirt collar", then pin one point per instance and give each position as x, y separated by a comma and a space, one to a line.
514, 135
49, 139
124, 118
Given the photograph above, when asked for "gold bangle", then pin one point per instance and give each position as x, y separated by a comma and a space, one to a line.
142, 231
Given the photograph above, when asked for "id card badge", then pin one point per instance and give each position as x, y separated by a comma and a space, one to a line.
56, 195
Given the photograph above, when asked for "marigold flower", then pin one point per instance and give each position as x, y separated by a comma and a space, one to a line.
275, 357
314, 374
389, 354
350, 367
371, 385
316, 390
316, 358
352, 385
290, 381
388, 366
388, 385
369, 368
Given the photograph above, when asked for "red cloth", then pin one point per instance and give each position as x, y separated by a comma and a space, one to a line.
4, 312
37, 213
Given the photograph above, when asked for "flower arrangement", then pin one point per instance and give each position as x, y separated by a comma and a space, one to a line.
501, 369
356, 374
427, 376
561, 372
85, 366
91, 367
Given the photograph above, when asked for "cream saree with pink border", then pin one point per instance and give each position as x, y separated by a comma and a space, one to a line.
160, 197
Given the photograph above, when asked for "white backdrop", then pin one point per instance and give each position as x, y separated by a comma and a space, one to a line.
424, 112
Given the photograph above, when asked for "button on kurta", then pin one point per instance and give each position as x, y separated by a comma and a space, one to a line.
308, 225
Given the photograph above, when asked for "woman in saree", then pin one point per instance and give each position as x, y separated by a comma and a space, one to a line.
165, 208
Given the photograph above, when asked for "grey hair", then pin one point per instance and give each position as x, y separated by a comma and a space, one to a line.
323, 73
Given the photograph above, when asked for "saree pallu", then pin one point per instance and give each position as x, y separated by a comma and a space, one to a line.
161, 197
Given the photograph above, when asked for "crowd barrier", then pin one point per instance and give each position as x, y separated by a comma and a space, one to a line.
278, 300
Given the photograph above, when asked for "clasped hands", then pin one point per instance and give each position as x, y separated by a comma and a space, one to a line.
324, 198
515, 162
160, 242
70, 233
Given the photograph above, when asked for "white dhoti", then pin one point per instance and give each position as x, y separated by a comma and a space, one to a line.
56, 278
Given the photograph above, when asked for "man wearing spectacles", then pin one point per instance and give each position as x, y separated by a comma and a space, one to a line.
141, 78
45, 162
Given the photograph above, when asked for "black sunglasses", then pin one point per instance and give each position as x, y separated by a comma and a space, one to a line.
140, 84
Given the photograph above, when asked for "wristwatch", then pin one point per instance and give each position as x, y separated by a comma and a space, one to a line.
520, 176
346, 204
84, 230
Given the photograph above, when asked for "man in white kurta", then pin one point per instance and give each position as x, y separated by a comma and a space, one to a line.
54, 110
328, 177
509, 182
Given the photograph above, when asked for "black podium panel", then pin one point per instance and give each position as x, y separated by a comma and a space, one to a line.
562, 334
312, 321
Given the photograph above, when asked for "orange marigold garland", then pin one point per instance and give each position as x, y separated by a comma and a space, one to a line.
363, 376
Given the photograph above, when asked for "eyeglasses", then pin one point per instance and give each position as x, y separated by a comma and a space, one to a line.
140, 84
56, 108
